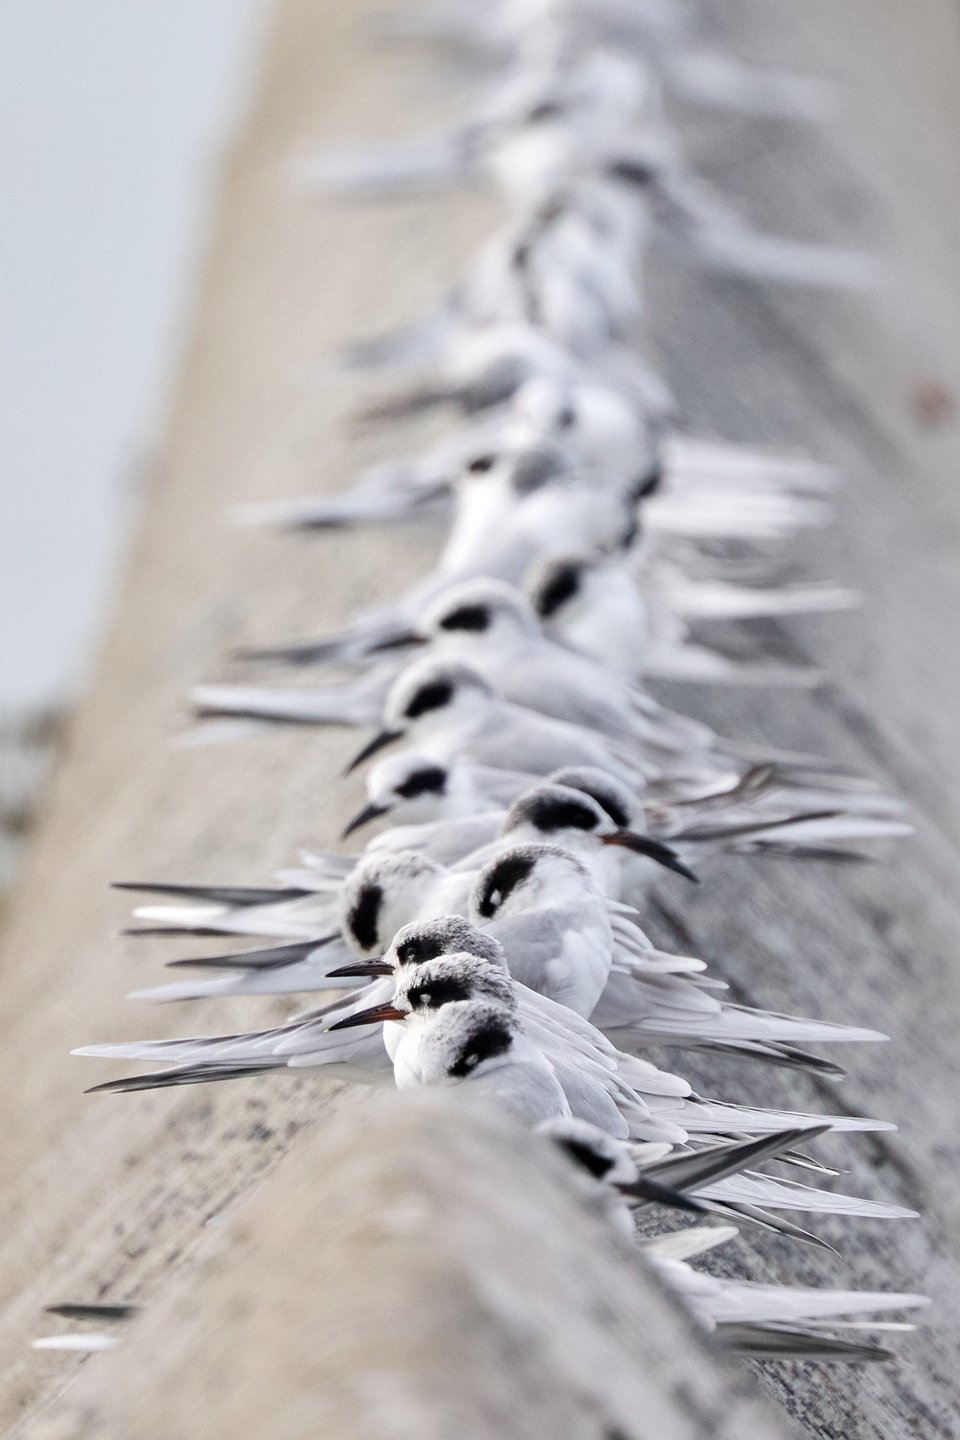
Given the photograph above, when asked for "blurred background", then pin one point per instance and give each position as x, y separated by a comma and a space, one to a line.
113, 119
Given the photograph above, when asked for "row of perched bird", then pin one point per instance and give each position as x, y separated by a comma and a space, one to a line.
491, 935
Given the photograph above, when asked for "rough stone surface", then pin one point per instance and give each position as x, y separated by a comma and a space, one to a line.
440, 1279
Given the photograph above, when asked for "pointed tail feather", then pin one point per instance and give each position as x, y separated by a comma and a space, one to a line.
690, 1172
239, 895
273, 957
348, 705
187, 1075
782, 1342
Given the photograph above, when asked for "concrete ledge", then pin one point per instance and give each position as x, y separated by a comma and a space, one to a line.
415, 1270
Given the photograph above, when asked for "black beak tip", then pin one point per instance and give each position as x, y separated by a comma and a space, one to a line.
408, 639
656, 850
368, 969
380, 741
363, 817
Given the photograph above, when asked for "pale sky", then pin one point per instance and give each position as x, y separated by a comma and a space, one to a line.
112, 116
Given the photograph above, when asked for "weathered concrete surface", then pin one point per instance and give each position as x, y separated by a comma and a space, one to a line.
386, 1283
107, 1196
852, 380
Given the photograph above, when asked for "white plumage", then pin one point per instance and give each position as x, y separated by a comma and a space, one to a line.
590, 546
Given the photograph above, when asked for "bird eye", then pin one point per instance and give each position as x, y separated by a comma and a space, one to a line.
481, 464
566, 418
471, 1061
425, 997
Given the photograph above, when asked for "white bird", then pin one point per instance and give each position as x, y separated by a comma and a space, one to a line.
598, 427
752, 1319
449, 810
701, 486
516, 510
563, 938
445, 810
481, 370
451, 713
658, 35
429, 988
552, 109
570, 267
491, 627
496, 946
589, 117
593, 603
621, 1093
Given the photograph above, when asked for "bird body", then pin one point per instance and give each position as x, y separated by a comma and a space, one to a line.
490, 939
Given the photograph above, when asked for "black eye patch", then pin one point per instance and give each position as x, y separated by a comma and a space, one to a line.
494, 1039
430, 697
363, 920
566, 417
549, 813
467, 617
593, 1163
480, 464
424, 947
432, 780
562, 585
502, 880
433, 994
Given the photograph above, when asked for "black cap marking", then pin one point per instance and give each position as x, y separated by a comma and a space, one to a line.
494, 1039
501, 881
429, 697
561, 586
434, 994
467, 617
554, 812
431, 780
363, 918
